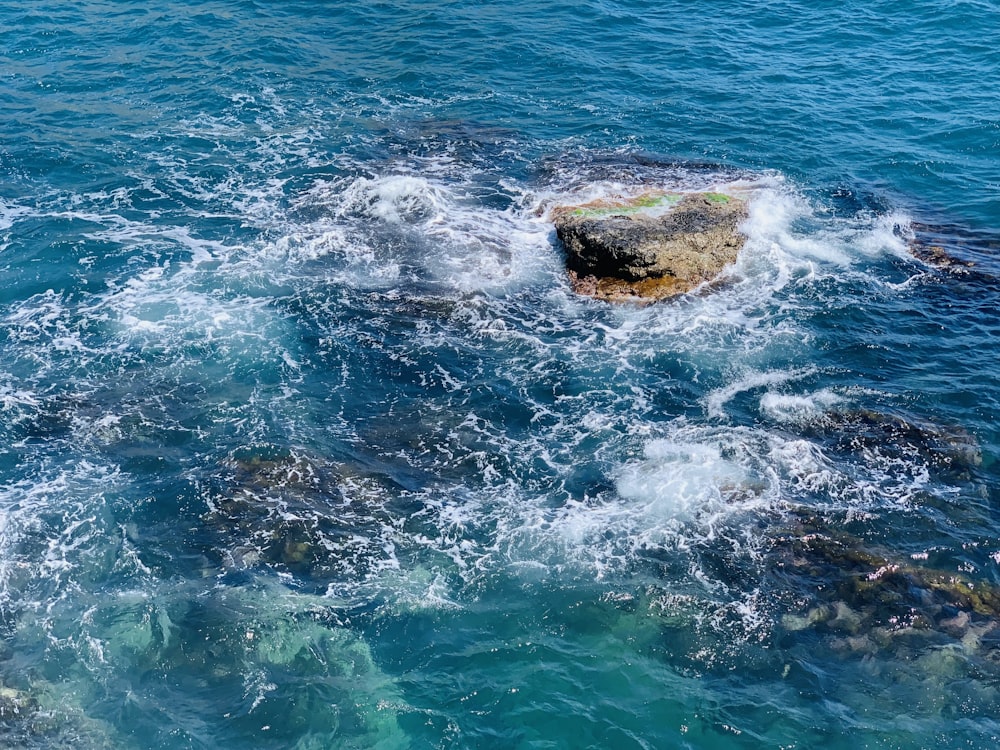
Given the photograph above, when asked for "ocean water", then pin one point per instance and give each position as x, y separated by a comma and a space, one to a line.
306, 443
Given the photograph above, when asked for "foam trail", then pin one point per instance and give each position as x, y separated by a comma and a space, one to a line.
9, 214
717, 399
796, 409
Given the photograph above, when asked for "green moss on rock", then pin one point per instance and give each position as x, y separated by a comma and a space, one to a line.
717, 197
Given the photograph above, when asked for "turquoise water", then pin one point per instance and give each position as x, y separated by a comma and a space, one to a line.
306, 443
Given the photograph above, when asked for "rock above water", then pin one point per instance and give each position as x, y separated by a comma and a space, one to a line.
651, 247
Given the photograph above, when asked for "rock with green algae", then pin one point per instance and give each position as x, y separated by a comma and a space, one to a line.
651, 247
229, 641
300, 514
15, 704
935, 255
948, 246
42, 715
868, 592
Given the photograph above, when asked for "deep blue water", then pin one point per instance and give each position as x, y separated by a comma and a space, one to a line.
305, 441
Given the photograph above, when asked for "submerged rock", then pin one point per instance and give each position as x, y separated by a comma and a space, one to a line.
864, 591
294, 513
651, 247
16, 704
41, 716
945, 447
935, 255
949, 246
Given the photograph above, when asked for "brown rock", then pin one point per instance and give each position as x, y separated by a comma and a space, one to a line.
651, 247
935, 255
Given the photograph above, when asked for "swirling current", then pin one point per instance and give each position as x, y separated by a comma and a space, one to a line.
307, 443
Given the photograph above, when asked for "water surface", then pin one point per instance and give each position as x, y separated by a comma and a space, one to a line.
306, 443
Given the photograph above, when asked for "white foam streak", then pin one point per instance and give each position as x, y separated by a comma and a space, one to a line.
9, 214
12, 398
716, 400
799, 409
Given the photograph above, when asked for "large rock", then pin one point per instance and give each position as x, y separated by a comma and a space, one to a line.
651, 247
